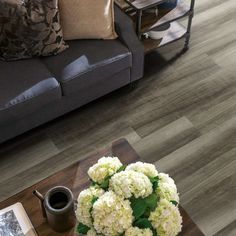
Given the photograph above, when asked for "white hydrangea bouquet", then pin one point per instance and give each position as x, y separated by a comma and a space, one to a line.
133, 200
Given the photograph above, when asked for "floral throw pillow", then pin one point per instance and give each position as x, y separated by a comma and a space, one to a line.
29, 28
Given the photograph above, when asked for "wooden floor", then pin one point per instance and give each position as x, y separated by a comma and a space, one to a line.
180, 116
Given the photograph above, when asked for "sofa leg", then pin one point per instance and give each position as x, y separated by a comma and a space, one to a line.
133, 84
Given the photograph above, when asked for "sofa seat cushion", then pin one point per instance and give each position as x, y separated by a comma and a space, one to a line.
86, 62
25, 87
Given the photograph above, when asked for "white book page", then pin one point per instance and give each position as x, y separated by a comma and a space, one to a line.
19, 222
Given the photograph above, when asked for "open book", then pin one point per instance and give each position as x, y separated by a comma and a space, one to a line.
14, 221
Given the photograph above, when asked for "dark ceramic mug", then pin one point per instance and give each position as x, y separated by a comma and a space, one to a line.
60, 208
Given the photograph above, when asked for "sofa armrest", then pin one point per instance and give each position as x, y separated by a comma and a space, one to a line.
125, 30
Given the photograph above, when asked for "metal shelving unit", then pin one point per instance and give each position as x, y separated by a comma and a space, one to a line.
145, 21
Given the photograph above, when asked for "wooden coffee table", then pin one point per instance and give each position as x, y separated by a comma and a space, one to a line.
75, 177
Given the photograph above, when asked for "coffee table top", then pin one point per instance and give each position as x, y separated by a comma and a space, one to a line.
75, 177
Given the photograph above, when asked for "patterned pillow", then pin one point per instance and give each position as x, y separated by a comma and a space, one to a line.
29, 28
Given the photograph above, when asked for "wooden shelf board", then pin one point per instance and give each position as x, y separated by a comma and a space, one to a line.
151, 21
176, 32
144, 4
122, 4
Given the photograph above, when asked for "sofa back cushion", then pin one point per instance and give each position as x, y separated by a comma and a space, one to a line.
30, 28
87, 19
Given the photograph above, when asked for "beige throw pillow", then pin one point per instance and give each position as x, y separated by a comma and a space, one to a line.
87, 19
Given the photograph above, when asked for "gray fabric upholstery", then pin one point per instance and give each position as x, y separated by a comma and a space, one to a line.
25, 87
10, 129
87, 62
125, 31
31, 90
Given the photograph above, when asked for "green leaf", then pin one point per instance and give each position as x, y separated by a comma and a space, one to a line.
138, 206
105, 184
154, 181
147, 213
152, 201
154, 232
143, 223
82, 229
122, 168
94, 199
93, 183
174, 202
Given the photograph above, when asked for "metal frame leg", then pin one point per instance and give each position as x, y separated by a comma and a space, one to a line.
188, 33
190, 19
138, 23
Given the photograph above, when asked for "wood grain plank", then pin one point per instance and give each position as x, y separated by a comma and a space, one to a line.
200, 151
25, 155
199, 85
164, 141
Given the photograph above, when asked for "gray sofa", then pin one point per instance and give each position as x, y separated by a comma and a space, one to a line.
36, 91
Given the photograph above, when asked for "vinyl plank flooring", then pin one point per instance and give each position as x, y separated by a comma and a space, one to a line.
30, 171
229, 230
226, 57
162, 142
165, 104
202, 174
216, 14
213, 114
103, 134
28, 177
215, 208
25, 155
200, 151
180, 116
180, 102
202, 5
204, 170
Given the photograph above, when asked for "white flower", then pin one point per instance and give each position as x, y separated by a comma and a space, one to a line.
85, 204
166, 219
91, 232
167, 188
146, 168
135, 231
131, 183
105, 167
112, 214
